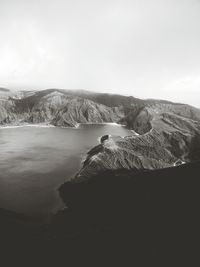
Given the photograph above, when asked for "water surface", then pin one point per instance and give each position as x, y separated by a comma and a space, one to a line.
35, 161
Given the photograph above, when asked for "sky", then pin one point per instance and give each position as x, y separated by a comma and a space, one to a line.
144, 48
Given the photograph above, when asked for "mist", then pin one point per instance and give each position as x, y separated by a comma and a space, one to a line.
148, 49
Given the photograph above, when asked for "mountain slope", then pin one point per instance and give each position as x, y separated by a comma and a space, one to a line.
56, 107
142, 118
51, 105
169, 135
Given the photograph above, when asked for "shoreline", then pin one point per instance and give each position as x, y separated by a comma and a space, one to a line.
101, 123
27, 125
7, 126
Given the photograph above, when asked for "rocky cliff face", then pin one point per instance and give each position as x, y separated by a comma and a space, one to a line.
57, 107
86, 111
66, 107
169, 134
142, 118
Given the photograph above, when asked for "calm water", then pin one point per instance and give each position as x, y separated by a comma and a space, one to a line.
35, 161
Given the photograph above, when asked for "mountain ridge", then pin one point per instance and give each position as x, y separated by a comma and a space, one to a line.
30, 103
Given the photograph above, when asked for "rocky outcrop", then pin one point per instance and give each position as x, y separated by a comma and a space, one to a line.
7, 111
154, 211
167, 134
143, 117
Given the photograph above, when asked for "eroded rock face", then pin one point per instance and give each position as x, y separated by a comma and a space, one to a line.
143, 117
56, 107
80, 110
167, 135
67, 108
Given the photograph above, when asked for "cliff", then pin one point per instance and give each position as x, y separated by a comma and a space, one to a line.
57, 107
173, 136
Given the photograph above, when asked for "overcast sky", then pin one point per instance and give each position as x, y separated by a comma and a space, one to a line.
145, 48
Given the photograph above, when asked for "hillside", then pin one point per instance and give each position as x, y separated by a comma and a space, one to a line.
169, 134
68, 107
57, 107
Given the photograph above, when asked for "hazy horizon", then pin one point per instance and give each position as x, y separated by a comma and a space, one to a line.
142, 48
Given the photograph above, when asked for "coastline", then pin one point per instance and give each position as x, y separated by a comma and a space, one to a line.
48, 125
26, 125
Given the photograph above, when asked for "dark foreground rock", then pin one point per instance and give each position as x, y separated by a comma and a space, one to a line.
129, 218
148, 217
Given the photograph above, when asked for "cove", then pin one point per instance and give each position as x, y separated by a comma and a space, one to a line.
35, 161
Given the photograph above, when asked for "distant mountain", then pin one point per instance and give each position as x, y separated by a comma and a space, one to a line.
62, 109
68, 107
57, 107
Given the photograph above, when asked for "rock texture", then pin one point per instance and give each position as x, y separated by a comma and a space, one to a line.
81, 110
143, 117
168, 133
57, 107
